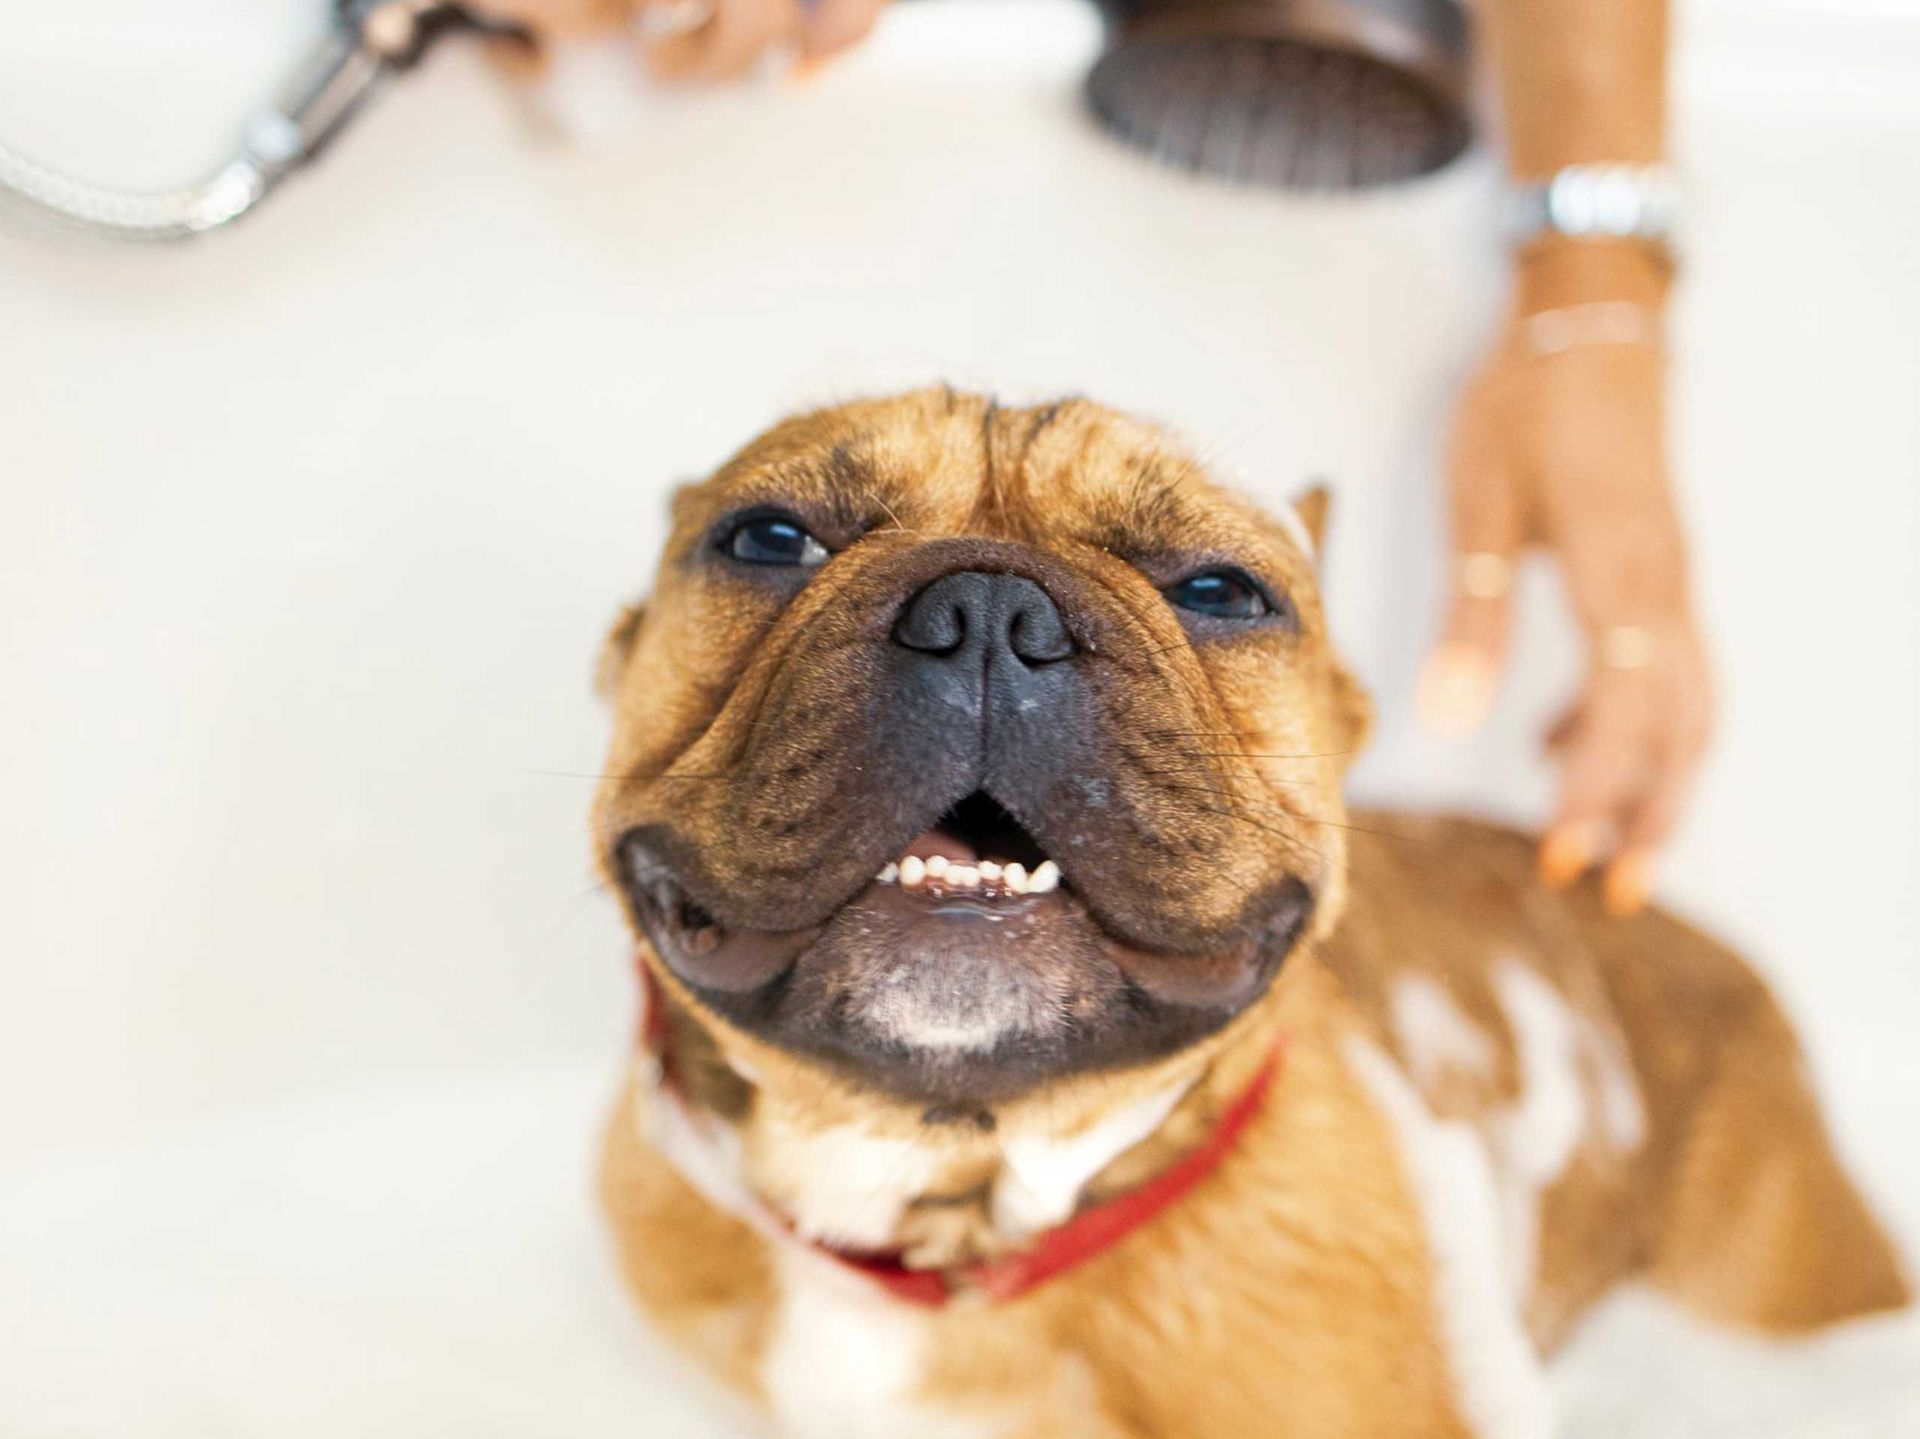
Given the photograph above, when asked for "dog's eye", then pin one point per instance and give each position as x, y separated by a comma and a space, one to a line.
774, 540
1221, 594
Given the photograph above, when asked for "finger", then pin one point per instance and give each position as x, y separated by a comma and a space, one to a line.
729, 45
1650, 823
559, 19
1652, 820
835, 25
1610, 759
1458, 682
516, 63
1628, 883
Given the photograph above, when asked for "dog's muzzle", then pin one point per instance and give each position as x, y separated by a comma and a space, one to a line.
959, 848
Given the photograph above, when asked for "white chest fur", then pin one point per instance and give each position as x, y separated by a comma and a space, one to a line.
846, 1187
847, 1361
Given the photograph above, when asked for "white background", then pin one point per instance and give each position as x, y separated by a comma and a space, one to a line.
308, 532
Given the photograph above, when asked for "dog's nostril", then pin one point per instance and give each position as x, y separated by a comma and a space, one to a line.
938, 628
976, 614
1037, 635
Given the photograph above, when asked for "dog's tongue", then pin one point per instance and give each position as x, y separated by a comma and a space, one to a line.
930, 842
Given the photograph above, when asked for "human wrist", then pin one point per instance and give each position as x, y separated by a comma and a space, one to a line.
1557, 271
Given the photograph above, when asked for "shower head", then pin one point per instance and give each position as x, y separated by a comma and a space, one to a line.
1301, 94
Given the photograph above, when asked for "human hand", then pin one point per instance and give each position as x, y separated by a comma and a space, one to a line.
1559, 444
704, 40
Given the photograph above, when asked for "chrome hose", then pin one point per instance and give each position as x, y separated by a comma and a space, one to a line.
161, 215
363, 46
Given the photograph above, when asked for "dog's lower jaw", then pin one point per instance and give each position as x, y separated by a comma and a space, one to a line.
955, 1019
969, 1010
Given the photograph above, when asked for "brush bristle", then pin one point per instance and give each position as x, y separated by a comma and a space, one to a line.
1274, 112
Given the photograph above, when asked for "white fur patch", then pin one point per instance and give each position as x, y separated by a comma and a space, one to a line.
706, 1155
972, 1007
843, 1186
1501, 1389
1542, 1132
909, 1019
1436, 1038
845, 1360
1622, 1115
1569, 1077
1043, 1174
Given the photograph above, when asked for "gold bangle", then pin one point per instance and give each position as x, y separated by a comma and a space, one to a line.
1624, 647
1483, 575
1605, 322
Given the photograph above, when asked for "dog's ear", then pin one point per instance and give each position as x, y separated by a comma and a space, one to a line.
1310, 507
615, 650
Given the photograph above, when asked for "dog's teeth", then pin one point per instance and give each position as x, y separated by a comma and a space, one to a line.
988, 875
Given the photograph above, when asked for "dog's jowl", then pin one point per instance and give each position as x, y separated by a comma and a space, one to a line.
1036, 1047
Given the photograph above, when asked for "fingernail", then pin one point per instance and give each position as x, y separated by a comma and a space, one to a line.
806, 68
1456, 690
1628, 885
1565, 854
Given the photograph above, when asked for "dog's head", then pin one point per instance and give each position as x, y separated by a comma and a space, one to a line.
908, 663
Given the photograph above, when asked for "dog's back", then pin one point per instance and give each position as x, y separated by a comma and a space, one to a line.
1641, 1103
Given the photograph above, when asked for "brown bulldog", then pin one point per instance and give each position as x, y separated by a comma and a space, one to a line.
1036, 1046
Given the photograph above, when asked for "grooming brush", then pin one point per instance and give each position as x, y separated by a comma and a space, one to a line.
1302, 94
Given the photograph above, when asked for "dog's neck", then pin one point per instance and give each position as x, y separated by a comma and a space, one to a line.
856, 1171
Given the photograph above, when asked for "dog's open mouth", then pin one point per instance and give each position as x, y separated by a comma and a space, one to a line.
968, 965
975, 861
977, 850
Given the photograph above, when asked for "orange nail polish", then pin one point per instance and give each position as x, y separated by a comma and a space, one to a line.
1629, 884
1564, 856
807, 68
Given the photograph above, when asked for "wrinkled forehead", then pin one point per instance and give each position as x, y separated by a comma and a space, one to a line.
940, 463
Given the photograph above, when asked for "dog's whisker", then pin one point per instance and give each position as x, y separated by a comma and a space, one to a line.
1211, 769
1399, 838
898, 528
1236, 733
627, 777
1292, 841
1255, 754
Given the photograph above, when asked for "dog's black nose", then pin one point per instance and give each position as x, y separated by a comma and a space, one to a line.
974, 619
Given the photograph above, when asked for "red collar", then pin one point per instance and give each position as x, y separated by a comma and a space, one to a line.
1052, 1251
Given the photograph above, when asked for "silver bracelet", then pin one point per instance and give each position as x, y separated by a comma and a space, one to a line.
1604, 322
1606, 202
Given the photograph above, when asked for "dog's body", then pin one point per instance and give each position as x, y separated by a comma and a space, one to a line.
1490, 1104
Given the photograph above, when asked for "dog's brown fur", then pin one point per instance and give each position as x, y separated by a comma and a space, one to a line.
1299, 1290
